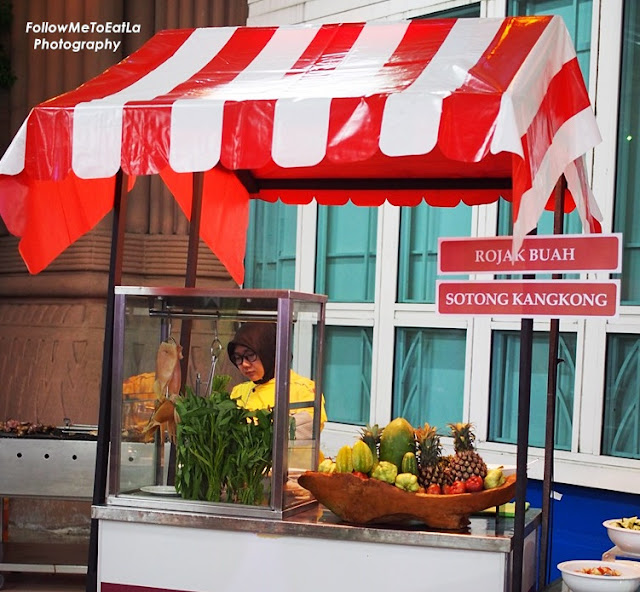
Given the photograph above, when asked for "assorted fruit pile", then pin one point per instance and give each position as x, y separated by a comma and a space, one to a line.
412, 459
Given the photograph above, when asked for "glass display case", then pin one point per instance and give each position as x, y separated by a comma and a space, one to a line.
182, 437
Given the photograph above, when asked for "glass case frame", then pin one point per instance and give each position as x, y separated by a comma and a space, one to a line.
148, 461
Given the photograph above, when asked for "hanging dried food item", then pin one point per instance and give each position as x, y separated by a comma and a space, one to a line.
167, 389
168, 374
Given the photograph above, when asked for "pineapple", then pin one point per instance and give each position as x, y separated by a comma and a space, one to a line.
370, 435
466, 461
431, 462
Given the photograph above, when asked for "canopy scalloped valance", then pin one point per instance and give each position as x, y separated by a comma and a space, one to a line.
439, 110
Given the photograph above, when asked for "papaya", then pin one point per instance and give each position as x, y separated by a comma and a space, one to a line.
362, 457
396, 440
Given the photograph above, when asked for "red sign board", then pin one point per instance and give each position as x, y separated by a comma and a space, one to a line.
529, 298
559, 253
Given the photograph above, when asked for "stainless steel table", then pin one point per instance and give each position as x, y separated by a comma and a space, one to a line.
297, 550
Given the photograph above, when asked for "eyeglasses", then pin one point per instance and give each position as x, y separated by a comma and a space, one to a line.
248, 355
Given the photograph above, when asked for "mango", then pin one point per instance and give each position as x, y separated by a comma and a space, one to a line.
494, 479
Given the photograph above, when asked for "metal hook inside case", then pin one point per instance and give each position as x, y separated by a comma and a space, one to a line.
168, 335
216, 344
216, 350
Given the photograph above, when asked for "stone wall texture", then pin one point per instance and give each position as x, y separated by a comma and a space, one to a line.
52, 324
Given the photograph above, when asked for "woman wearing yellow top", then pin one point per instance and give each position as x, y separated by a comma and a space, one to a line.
253, 352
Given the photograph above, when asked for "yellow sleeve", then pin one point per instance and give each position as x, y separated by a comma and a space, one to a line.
304, 389
241, 393
255, 396
260, 396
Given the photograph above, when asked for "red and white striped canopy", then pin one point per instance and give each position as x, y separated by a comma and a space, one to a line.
280, 108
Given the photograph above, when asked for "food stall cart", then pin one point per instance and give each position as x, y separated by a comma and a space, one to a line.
438, 110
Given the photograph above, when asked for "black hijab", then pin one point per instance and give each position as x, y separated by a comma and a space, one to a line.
261, 338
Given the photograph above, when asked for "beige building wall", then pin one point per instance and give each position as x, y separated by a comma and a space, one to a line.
51, 324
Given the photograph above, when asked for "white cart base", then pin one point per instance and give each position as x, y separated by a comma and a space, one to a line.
167, 558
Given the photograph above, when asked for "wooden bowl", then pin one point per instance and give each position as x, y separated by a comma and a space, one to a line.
364, 501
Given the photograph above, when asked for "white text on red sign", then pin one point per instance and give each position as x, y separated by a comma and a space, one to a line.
529, 298
543, 254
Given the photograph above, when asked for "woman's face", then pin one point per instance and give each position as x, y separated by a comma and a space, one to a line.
253, 370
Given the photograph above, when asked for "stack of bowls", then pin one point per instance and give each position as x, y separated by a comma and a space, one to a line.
627, 578
626, 539
583, 575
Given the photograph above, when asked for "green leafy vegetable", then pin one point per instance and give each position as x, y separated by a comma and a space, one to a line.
222, 450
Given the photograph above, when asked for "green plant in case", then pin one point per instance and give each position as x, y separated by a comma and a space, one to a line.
222, 449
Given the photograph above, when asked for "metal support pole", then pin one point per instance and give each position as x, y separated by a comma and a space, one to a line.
524, 408
189, 282
104, 413
192, 265
552, 383
524, 405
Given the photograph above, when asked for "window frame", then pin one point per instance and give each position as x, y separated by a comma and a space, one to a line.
603, 85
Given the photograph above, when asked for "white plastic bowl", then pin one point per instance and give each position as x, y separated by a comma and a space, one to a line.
626, 539
627, 581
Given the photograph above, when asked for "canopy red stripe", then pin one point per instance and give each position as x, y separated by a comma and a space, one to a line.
407, 103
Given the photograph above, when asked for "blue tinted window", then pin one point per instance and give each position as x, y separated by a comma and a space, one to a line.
347, 373
621, 430
505, 373
420, 227
270, 260
627, 204
429, 376
577, 18
469, 11
346, 253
